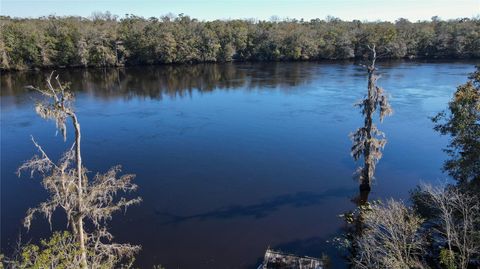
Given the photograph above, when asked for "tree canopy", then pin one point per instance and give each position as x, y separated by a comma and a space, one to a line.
462, 123
107, 40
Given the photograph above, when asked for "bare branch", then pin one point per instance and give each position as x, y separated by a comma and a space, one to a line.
70, 190
390, 238
457, 214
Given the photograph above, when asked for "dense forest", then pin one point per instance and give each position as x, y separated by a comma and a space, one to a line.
107, 40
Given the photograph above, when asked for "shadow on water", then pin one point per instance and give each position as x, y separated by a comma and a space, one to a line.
260, 210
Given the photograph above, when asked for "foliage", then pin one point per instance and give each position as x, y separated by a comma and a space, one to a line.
462, 124
106, 40
70, 190
447, 259
60, 251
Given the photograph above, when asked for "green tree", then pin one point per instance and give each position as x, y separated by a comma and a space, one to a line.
105, 40
462, 123
61, 251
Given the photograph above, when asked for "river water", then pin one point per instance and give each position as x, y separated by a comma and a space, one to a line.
230, 158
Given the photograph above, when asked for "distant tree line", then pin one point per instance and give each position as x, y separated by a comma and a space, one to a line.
107, 40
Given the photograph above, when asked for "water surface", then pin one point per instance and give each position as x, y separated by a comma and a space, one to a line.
230, 159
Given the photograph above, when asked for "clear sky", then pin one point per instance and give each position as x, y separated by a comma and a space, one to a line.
371, 10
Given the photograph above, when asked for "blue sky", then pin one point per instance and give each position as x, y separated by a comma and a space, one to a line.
258, 9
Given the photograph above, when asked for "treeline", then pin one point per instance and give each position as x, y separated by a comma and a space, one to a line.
107, 40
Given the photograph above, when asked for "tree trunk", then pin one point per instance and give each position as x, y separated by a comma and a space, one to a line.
368, 160
79, 220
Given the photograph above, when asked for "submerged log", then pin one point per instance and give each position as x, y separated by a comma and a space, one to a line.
280, 260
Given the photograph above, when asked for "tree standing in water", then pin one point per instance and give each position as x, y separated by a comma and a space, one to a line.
69, 188
368, 141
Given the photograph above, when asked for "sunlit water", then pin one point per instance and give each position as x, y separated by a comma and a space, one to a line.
230, 159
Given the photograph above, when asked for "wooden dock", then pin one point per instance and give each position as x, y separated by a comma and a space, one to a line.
280, 260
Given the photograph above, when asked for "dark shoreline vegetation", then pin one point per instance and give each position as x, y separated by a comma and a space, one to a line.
107, 40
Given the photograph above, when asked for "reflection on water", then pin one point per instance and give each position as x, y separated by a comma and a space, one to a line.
230, 159
172, 81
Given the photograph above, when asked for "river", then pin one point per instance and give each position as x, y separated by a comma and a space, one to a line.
230, 158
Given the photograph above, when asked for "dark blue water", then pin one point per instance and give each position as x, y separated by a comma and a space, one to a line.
230, 159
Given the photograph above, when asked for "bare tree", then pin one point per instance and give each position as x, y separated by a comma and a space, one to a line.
70, 189
456, 214
368, 141
390, 238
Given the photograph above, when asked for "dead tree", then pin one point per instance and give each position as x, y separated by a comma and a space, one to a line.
390, 238
456, 215
70, 189
368, 141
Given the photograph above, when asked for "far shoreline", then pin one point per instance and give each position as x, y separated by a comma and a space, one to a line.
354, 61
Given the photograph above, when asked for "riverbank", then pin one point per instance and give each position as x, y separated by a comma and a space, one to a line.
108, 41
